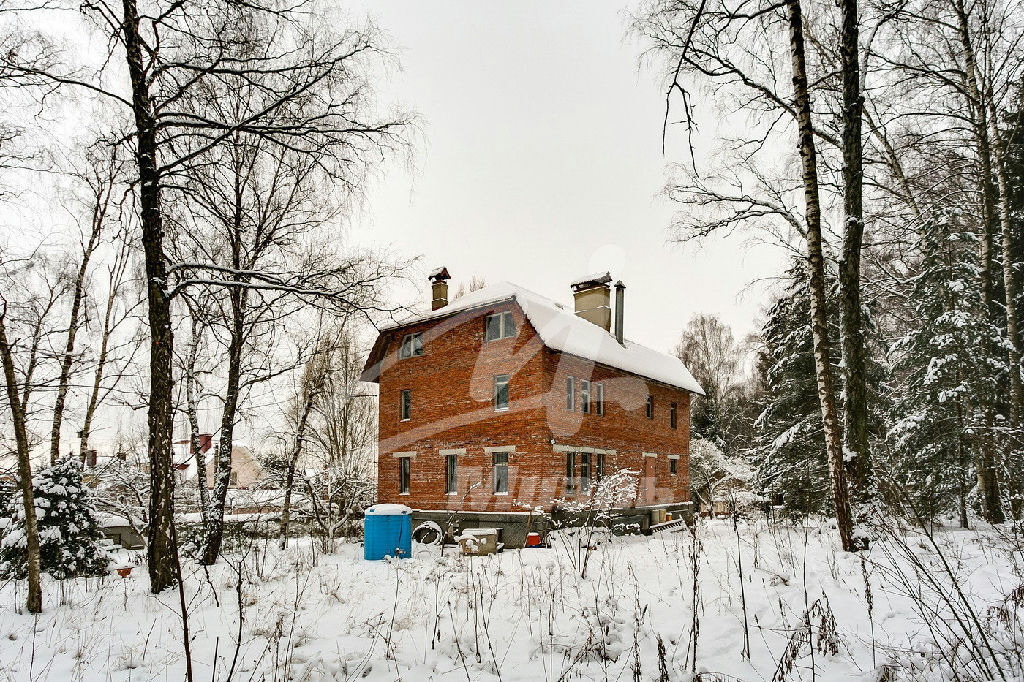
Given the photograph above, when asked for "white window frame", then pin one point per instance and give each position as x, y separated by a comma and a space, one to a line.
506, 326
508, 394
584, 396
412, 346
599, 395
570, 394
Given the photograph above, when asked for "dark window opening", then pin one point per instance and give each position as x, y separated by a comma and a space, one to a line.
570, 473
570, 394
403, 475
450, 474
672, 415
650, 407
500, 472
673, 465
406, 404
585, 396
599, 391
585, 472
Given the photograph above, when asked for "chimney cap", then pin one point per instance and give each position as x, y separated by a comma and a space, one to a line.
591, 281
439, 274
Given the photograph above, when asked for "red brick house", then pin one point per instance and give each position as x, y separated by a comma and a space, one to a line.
503, 401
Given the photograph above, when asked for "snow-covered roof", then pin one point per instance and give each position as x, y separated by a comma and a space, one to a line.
594, 278
561, 330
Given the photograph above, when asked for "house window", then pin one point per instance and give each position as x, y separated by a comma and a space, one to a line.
585, 472
600, 465
450, 476
233, 478
599, 394
673, 465
500, 473
672, 415
650, 407
570, 394
499, 326
403, 475
412, 346
406, 405
501, 392
585, 396
570, 473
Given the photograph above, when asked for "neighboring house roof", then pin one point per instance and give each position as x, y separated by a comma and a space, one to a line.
181, 454
559, 329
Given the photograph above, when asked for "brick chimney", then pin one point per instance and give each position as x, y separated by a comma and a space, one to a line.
592, 296
439, 288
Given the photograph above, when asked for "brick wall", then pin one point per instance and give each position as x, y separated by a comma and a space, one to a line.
451, 387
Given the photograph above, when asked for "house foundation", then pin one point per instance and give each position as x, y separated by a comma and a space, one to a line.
513, 527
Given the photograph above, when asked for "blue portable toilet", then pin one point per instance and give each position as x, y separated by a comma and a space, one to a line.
387, 531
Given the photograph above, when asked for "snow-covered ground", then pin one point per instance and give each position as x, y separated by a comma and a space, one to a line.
528, 615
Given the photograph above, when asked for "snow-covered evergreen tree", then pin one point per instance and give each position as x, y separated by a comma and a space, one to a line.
942, 369
790, 448
68, 534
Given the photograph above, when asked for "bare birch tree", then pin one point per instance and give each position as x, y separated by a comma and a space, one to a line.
736, 50
34, 602
172, 49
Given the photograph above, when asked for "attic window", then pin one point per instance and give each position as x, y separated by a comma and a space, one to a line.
412, 346
499, 326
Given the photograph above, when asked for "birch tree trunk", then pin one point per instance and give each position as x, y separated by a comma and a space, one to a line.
161, 552
222, 471
856, 448
34, 602
988, 479
99, 211
816, 280
293, 462
192, 408
1014, 476
117, 271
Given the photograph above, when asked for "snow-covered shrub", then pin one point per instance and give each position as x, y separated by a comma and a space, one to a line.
68, 533
716, 476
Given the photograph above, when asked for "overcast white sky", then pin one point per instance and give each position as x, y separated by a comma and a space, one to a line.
542, 162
